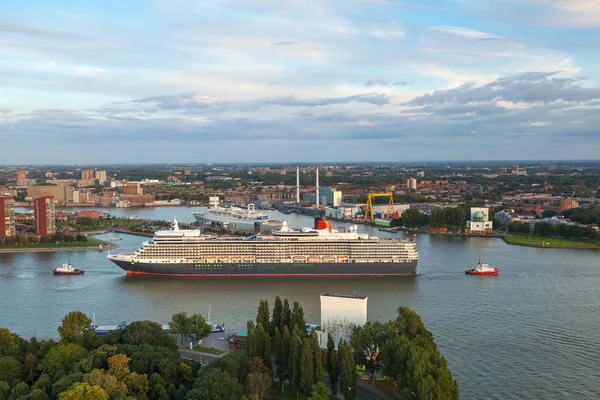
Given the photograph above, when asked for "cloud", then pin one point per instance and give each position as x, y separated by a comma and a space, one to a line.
285, 43
580, 12
400, 83
376, 82
528, 87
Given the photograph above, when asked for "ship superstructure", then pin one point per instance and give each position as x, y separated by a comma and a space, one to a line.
318, 251
238, 218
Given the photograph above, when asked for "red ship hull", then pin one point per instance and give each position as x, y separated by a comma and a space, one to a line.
74, 272
474, 272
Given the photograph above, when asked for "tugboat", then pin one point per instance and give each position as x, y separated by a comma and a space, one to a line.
482, 269
67, 269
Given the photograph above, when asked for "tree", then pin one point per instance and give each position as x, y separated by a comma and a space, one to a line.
320, 392
8, 346
367, 341
19, 390
286, 315
317, 357
30, 368
347, 370
109, 383
259, 380
141, 332
286, 340
73, 326
549, 213
306, 368
180, 324
262, 317
215, 385
277, 310
295, 357
118, 366
83, 391
297, 319
199, 327
62, 356
10, 370
253, 342
137, 385
332, 364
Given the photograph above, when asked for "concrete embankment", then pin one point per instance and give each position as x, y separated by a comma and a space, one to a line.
105, 246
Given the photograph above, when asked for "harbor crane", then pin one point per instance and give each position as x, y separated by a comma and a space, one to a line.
370, 214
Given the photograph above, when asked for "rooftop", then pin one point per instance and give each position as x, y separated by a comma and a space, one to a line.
346, 296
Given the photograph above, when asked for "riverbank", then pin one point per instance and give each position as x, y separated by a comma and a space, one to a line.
549, 242
428, 232
89, 245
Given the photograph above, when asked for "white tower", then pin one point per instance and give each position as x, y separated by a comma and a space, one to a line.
317, 193
298, 185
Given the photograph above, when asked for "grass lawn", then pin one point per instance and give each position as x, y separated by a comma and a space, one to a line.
543, 241
208, 350
89, 243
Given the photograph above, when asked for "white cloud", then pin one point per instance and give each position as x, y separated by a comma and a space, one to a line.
583, 12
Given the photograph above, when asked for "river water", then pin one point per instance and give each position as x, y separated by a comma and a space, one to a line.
533, 332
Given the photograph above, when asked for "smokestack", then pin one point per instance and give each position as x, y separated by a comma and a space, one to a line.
317, 194
298, 185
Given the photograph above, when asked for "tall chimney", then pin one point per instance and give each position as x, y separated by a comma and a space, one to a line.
317, 193
298, 185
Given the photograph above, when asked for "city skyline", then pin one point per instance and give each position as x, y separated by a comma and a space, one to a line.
282, 81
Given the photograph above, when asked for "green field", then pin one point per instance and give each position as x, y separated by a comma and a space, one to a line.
89, 243
543, 241
208, 350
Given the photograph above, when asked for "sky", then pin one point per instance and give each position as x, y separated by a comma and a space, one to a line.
198, 81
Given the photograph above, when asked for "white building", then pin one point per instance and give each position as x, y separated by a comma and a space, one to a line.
479, 221
328, 196
411, 184
339, 314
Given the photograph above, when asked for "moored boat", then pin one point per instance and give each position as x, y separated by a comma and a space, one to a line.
482, 269
67, 269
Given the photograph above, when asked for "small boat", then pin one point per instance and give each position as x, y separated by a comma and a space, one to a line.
299, 259
248, 258
236, 259
67, 269
482, 269
314, 259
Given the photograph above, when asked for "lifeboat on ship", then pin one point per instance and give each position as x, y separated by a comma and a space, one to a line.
210, 259
328, 259
248, 258
314, 259
236, 259
223, 259
299, 259
342, 258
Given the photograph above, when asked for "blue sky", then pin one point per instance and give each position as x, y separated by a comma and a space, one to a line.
287, 80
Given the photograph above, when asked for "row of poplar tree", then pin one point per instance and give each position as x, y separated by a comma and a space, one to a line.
281, 340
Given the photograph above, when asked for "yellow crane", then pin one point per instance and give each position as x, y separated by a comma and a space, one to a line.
370, 214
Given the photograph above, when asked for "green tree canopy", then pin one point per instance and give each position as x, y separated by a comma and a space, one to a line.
83, 391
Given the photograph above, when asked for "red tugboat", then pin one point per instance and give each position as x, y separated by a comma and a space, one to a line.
67, 269
482, 269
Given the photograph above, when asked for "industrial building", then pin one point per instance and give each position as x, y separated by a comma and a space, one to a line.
61, 193
339, 314
7, 216
45, 216
479, 221
328, 197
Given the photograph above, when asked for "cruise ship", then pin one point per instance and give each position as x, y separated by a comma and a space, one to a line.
238, 218
317, 251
